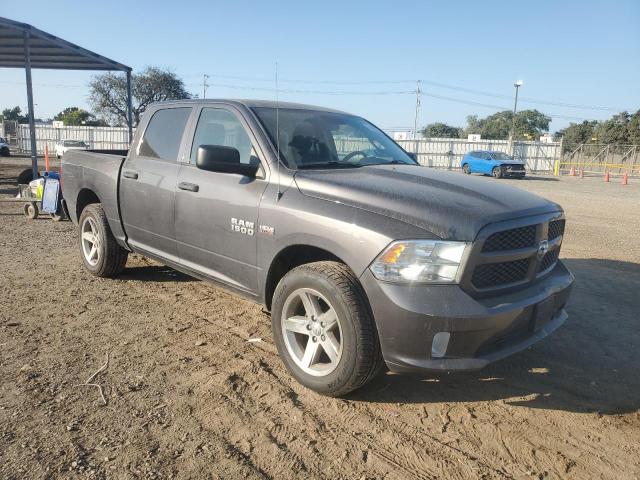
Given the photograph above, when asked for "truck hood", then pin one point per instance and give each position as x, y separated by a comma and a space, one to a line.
450, 205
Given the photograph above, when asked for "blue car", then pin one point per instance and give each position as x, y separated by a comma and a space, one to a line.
497, 164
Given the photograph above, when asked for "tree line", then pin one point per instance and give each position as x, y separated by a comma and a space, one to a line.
622, 128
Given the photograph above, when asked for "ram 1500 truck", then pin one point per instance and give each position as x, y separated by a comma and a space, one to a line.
362, 256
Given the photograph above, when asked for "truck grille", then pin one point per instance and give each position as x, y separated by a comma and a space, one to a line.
556, 228
510, 258
492, 274
549, 260
511, 239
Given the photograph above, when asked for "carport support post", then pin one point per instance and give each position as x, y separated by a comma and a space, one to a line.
32, 126
129, 107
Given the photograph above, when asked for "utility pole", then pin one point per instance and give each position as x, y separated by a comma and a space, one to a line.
415, 120
512, 135
205, 85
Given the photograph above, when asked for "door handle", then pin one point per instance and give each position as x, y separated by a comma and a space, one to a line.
130, 174
190, 187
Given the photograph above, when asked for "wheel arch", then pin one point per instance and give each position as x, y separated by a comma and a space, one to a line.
86, 196
290, 257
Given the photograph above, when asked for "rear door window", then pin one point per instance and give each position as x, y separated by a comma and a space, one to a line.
163, 135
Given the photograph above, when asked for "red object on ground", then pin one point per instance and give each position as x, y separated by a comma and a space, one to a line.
606, 176
625, 179
46, 158
572, 172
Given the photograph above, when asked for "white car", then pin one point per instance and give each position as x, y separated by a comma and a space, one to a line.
4, 148
63, 146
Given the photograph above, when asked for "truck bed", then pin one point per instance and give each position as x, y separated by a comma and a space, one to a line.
96, 171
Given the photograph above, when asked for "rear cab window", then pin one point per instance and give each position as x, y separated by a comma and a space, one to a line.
163, 135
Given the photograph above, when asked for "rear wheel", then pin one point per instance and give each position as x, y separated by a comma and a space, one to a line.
100, 252
5, 152
465, 168
323, 328
496, 172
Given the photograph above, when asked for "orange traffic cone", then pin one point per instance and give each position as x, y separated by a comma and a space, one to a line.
572, 172
625, 179
606, 176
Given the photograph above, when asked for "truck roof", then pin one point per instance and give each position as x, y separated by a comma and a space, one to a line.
248, 104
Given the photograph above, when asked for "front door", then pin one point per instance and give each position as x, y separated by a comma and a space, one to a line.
148, 184
217, 213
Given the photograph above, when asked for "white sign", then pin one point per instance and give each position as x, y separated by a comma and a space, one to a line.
58, 124
474, 137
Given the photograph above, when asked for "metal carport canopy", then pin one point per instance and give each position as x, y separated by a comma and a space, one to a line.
24, 46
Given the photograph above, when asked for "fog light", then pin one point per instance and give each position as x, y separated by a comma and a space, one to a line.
440, 344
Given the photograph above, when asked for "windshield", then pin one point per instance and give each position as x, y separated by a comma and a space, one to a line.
501, 156
316, 139
74, 143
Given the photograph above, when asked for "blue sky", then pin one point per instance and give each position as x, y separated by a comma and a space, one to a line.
567, 52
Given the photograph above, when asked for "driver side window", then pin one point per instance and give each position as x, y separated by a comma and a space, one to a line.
221, 127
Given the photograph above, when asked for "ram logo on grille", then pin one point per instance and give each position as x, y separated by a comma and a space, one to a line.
543, 248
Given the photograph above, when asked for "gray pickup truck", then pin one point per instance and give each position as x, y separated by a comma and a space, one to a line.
362, 256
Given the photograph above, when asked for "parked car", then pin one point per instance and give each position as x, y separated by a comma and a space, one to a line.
4, 148
361, 255
63, 146
497, 164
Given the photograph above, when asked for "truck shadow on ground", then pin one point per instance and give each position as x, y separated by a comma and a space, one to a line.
154, 273
589, 365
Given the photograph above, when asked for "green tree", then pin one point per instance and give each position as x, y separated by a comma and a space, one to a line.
577, 133
108, 93
615, 130
14, 114
441, 130
78, 116
634, 128
529, 124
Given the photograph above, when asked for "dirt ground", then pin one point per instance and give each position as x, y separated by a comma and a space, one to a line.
189, 397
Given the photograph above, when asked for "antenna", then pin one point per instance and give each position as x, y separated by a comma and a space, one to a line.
278, 193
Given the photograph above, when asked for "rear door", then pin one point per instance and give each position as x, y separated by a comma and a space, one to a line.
148, 184
217, 213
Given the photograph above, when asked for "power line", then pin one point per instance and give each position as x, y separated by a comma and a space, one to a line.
432, 83
367, 82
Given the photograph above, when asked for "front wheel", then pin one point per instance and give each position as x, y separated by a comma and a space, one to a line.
323, 328
100, 252
5, 152
497, 172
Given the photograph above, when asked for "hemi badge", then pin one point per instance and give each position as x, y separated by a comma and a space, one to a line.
267, 230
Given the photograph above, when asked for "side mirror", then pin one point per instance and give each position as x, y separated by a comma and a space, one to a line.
413, 155
216, 158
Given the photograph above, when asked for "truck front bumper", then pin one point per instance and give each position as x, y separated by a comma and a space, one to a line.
441, 327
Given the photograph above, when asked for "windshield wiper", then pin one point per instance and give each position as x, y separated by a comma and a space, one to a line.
389, 162
328, 165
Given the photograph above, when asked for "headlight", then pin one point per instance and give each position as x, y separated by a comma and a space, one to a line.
421, 261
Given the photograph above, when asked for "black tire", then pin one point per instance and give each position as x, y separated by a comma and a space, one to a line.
5, 152
361, 358
465, 169
112, 258
25, 176
496, 172
31, 210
